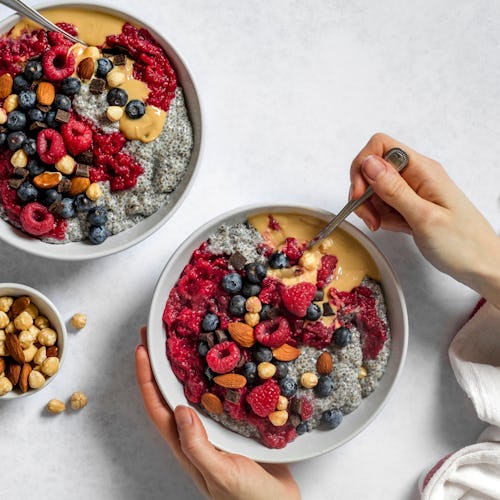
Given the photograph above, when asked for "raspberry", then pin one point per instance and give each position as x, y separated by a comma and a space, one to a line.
236, 409
194, 387
273, 332
306, 408
297, 298
317, 334
325, 272
50, 146
272, 223
187, 323
36, 219
58, 63
263, 398
224, 357
183, 357
77, 136
270, 293
56, 38
271, 436
293, 250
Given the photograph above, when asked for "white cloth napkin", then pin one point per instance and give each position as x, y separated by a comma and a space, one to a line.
473, 473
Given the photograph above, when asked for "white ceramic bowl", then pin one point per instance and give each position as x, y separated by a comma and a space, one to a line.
84, 250
47, 309
316, 442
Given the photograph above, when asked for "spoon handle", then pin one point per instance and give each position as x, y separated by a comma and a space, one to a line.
32, 14
396, 157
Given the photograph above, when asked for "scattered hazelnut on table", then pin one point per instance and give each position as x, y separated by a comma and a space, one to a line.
78, 400
78, 321
55, 406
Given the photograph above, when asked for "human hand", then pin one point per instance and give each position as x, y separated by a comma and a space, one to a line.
424, 201
216, 474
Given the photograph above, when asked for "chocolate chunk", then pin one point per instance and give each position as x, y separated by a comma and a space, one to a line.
97, 86
62, 116
119, 59
237, 260
64, 185
319, 295
221, 335
43, 108
82, 170
327, 310
294, 420
241, 362
35, 126
296, 406
3, 130
87, 157
21, 172
14, 182
208, 337
117, 49
56, 207
232, 396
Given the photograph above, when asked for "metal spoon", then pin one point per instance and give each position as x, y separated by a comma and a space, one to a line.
396, 157
32, 14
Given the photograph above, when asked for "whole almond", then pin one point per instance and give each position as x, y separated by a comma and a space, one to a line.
212, 403
324, 364
14, 347
231, 381
52, 351
6, 82
23, 377
12, 373
45, 93
86, 68
47, 180
2, 365
241, 333
286, 352
20, 304
78, 185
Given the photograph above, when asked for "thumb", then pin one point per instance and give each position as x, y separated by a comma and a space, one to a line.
195, 444
388, 184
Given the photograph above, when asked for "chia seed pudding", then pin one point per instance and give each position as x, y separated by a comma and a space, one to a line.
273, 340
92, 139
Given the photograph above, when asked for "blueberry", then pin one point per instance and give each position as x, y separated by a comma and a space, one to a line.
118, 97
26, 99
98, 216
313, 312
63, 102
203, 349
35, 167
342, 336
319, 295
16, 120
27, 192
302, 428
264, 312
262, 353
15, 140
83, 204
278, 260
3, 138
68, 208
250, 289
209, 374
288, 387
249, 371
135, 109
237, 305
331, 418
35, 115
210, 322
33, 70
324, 387
71, 85
98, 234
255, 272
29, 146
232, 283
104, 66
50, 119
20, 83
49, 196
281, 369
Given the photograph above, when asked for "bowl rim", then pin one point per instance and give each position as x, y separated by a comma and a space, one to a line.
81, 250
160, 298
62, 334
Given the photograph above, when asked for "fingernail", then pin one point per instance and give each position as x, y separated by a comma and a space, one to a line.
372, 167
183, 416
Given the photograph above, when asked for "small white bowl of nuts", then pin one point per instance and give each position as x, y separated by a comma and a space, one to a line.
32, 340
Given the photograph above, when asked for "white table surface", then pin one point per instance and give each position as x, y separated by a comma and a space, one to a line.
290, 92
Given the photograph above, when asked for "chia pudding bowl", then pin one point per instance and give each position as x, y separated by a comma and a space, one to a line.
286, 352
98, 144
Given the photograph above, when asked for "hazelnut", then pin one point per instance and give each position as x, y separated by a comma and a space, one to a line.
282, 403
66, 165
94, 191
91, 52
3, 348
10, 328
308, 380
5, 385
32, 310
47, 337
55, 406
79, 320
78, 400
40, 355
36, 379
362, 373
11, 102
19, 159
114, 113
50, 366
252, 319
41, 322
6, 303
29, 353
26, 338
115, 77
253, 305
4, 320
278, 418
266, 370
23, 321
3, 116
